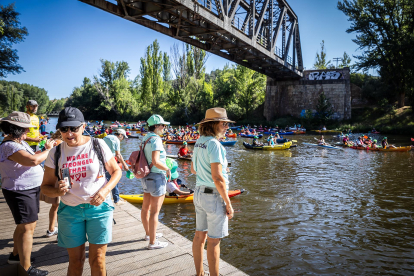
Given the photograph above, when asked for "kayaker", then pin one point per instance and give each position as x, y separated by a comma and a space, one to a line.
374, 144
154, 184
324, 128
270, 140
277, 136
184, 151
368, 142
360, 142
321, 141
173, 188
255, 143
42, 128
212, 203
345, 140
385, 144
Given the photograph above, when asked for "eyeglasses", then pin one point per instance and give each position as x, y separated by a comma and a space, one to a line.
225, 124
72, 129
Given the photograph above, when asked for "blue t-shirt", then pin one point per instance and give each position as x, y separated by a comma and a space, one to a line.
154, 144
113, 143
42, 128
208, 150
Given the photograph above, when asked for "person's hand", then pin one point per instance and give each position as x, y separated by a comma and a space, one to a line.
37, 139
169, 175
63, 187
50, 144
229, 211
99, 197
191, 191
227, 169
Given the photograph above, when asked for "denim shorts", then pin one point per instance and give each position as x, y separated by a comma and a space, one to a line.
84, 222
210, 213
155, 184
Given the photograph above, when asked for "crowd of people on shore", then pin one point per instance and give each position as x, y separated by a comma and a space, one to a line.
80, 174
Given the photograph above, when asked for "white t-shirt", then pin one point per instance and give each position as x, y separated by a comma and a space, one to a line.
171, 187
83, 164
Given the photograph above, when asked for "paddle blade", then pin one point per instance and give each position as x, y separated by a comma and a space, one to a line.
294, 141
365, 137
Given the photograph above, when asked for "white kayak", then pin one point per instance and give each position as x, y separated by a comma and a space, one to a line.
322, 146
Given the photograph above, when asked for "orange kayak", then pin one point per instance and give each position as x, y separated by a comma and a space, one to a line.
233, 135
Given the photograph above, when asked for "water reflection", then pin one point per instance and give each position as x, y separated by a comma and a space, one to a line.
309, 210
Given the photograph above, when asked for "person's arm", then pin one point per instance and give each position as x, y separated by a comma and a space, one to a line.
121, 159
219, 181
24, 158
192, 169
158, 164
116, 174
37, 139
179, 192
48, 184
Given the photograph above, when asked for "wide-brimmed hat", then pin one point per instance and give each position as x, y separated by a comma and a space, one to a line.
120, 131
70, 117
18, 118
216, 114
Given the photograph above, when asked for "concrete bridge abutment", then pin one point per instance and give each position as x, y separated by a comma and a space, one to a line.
294, 97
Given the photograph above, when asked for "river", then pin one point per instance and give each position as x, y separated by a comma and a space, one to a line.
309, 210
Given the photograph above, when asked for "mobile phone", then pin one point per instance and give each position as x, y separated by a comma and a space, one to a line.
66, 177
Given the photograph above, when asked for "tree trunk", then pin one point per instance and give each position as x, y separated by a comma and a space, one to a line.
401, 99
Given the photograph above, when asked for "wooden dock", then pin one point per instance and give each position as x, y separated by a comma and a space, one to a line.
127, 253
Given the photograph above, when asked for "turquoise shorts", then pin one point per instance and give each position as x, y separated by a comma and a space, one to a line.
84, 222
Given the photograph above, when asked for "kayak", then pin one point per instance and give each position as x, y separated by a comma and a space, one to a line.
235, 127
300, 132
283, 146
172, 199
326, 131
179, 142
228, 143
398, 149
133, 136
233, 135
322, 146
286, 133
178, 157
101, 135
250, 135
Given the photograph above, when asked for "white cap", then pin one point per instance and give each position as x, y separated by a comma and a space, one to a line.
121, 131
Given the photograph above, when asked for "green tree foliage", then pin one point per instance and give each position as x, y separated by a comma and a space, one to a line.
385, 34
346, 61
10, 33
250, 89
323, 109
321, 62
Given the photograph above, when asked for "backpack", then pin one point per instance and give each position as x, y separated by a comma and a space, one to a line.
96, 147
139, 162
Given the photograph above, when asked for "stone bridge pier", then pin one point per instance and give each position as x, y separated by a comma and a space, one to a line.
294, 97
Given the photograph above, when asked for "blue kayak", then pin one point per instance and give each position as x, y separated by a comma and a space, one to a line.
286, 133
228, 143
250, 135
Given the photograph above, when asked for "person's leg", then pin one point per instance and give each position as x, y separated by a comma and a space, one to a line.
115, 193
23, 240
156, 203
97, 254
76, 260
146, 204
199, 242
213, 255
53, 216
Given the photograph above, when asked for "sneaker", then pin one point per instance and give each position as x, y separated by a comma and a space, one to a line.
158, 245
119, 203
33, 271
157, 236
49, 234
16, 259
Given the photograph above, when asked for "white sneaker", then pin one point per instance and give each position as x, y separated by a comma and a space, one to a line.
157, 236
49, 234
158, 245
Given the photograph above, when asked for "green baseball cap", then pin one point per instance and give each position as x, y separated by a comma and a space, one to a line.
156, 120
256, 137
184, 143
385, 138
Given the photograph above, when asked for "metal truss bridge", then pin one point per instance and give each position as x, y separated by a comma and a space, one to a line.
262, 35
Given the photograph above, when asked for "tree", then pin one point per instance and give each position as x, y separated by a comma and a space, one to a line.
385, 34
10, 33
346, 61
321, 62
323, 108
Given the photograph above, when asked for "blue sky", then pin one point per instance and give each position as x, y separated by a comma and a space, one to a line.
67, 38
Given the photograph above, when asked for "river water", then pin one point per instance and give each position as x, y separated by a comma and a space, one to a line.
310, 211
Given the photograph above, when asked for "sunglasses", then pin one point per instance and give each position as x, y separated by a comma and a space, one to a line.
225, 124
72, 129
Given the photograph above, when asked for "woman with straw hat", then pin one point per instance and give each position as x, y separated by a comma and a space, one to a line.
211, 200
21, 175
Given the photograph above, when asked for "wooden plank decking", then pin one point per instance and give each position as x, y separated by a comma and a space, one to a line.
127, 253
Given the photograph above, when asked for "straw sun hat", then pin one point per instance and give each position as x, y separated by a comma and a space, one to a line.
216, 114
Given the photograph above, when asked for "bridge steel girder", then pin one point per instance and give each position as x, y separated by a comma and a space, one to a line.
211, 26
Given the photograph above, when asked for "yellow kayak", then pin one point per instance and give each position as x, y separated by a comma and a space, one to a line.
172, 199
278, 146
101, 135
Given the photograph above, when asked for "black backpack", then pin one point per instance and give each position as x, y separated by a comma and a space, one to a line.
96, 147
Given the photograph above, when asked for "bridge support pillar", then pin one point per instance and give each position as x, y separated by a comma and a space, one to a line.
294, 97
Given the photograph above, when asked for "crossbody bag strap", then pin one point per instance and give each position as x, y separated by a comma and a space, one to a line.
98, 150
58, 153
145, 143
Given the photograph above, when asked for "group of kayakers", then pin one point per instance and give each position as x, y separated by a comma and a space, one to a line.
367, 142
